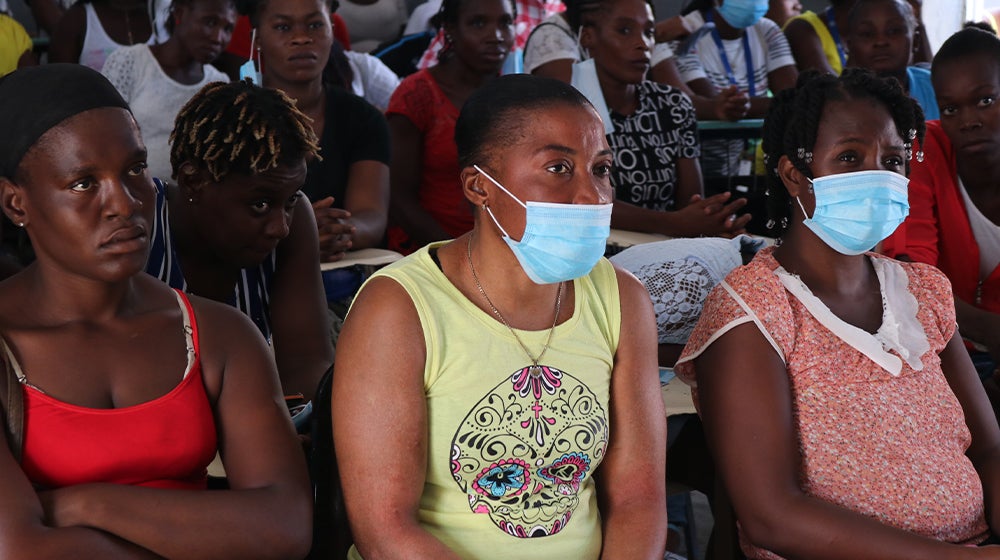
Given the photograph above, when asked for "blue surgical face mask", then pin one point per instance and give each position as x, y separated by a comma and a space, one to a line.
248, 70
854, 211
560, 241
743, 13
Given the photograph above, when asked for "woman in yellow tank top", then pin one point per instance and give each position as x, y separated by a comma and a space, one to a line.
484, 393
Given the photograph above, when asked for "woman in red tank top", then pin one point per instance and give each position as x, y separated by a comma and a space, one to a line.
129, 387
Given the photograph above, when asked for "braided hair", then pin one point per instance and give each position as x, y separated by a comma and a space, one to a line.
240, 128
792, 123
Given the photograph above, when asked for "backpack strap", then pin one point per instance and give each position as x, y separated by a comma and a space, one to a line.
11, 401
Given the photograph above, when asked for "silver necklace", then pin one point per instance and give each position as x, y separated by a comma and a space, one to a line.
534, 369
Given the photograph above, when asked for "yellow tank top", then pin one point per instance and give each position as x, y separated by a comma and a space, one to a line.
825, 39
512, 452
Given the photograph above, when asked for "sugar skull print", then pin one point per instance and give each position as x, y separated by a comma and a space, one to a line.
523, 451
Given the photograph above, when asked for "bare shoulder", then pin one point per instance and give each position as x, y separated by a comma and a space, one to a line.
631, 291
225, 337
799, 28
382, 300
220, 325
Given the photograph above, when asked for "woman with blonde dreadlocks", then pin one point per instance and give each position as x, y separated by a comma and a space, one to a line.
236, 229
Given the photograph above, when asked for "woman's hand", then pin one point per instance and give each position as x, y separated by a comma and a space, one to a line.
715, 215
731, 104
336, 234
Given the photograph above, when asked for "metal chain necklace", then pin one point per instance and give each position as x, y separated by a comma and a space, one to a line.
534, 369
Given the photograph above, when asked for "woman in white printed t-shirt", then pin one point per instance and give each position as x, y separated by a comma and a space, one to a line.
745, 50
653, 135
553, 48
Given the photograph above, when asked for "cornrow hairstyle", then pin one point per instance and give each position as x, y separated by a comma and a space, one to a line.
792, 123
902, 6
252, 8
240, 128
965, 44
496, 115
582, 12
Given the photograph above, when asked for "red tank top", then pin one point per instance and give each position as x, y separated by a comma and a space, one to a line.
167, 442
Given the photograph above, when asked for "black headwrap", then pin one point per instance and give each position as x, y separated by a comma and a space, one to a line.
37, 98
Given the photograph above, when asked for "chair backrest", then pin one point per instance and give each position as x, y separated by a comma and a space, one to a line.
331, 533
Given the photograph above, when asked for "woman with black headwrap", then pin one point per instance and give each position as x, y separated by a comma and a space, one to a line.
122, 389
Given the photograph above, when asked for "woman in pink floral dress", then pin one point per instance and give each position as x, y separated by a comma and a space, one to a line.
838, 400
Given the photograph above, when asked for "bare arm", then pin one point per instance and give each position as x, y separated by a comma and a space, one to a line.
47, 14
778, 80
378, 396
267, 511
746, 408
67, 40
299, 323
806, 47
367, 200
666, 73
404, 181
561, 70
631, 481
361, 223
25, 532
689, 182
984, 452
979, 325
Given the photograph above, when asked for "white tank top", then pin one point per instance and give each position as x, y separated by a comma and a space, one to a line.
97, 44
987, 235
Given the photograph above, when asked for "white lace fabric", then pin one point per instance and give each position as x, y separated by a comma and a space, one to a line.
679, 274
900, 331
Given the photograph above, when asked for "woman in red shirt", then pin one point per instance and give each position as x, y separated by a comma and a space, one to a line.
426, 202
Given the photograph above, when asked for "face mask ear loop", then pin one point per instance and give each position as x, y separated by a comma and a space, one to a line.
584, 53
799, 200
494, 181
495, 222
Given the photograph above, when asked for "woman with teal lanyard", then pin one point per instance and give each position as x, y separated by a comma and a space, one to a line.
744, 49
520, 397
